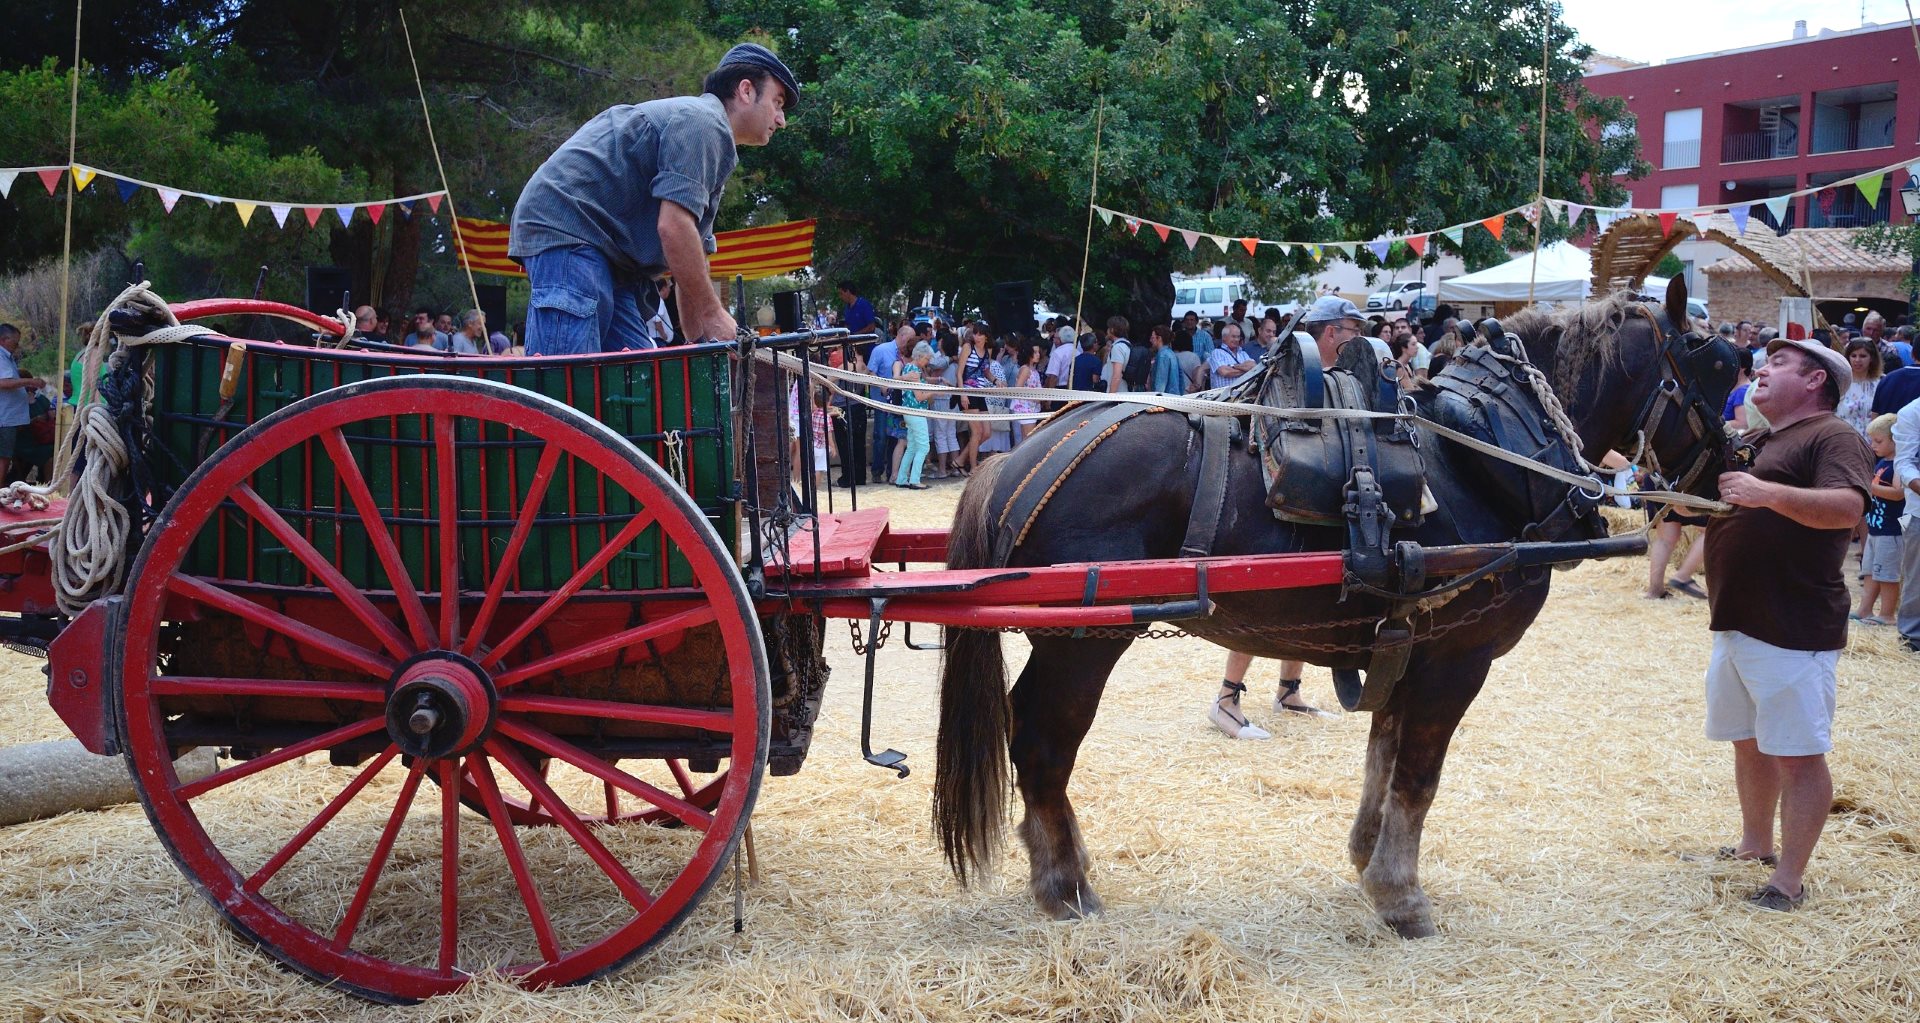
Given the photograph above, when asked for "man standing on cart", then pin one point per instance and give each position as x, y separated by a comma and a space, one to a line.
630, 198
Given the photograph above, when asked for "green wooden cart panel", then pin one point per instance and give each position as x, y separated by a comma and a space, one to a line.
660, 399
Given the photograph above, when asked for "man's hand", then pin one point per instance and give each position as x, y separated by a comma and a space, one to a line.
700, 307
1745, 490
716, 326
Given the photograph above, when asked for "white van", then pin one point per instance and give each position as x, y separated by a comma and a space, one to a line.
1210, 297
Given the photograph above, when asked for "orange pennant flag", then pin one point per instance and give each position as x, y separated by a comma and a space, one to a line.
1161, 230
1495, 224
1250, 243
1418, 243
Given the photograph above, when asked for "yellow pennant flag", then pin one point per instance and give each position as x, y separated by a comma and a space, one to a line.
82, 177
246, 212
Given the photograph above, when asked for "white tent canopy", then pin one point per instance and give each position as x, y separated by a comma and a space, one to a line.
1565, 274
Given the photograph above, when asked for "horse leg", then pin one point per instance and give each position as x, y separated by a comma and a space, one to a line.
1429, 711
1383, 746
1053, 706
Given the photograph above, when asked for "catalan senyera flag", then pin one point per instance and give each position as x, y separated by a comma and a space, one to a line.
482, 248
753, 253
763, 251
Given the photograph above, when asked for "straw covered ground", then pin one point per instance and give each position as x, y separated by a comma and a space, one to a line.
1553, 854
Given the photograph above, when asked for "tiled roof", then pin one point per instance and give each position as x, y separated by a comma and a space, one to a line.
1815, 250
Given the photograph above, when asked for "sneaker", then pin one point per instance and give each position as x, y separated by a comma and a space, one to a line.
1231, 726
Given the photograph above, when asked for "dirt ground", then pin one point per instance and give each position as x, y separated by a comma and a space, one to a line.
1553, 855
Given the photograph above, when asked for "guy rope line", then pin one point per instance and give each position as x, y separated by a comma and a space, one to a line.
66, 238
1209, 406
459, 239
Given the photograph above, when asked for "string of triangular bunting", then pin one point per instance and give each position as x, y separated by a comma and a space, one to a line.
1869, 184
129, 187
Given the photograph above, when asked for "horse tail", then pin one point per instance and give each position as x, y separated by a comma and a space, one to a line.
970, 759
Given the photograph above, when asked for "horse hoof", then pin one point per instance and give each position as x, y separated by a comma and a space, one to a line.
1410, 927
1074, 904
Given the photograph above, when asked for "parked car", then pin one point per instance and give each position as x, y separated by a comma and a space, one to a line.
928, 313
1423, 306
1396, 296
1210, 297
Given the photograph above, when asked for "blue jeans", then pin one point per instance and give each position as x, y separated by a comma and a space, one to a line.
575, 307
916, 451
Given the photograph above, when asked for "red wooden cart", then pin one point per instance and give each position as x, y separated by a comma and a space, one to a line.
515, 588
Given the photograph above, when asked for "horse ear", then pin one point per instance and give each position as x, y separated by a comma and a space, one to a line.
1677, 303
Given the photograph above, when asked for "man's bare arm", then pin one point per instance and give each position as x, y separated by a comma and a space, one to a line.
702, 315
1828, 508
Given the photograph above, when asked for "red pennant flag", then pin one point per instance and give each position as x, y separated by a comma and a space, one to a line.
1418, 243
1666, 223
433, 201
376, 211
1249, 243
1495, 224
313, 214
1133, 225
50, 178
1161, 230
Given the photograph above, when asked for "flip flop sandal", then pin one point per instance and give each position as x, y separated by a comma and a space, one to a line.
1689, 587
1769, 897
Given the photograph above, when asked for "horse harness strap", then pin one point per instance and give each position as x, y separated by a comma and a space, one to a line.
1095, 424
1210, 496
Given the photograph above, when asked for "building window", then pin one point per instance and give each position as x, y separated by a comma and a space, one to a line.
1860, 117
1681, 143
1838, 205
1680, 197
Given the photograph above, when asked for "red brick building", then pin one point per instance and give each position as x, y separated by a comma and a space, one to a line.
1745, 125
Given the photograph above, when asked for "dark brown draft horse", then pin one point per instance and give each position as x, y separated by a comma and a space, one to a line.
1130, 498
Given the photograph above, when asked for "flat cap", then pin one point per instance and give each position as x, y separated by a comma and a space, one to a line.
754, 55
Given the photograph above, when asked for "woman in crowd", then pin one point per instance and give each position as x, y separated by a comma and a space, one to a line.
1856, 406
942, 369
1193, 367
997, 434
1033, 369
973, 373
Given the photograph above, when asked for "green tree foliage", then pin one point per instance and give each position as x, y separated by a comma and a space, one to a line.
952, 144
160, 129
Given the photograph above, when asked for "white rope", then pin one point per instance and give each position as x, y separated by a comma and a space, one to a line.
1204, 405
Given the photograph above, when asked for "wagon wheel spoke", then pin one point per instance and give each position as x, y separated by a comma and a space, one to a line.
560, 597
557, 808
325, 740
560, 749
384, 548
482, 773
622, 640
449, 864
448, 480
338, 803
356, 910
369, 661
710, 720
522, 528
292, 688
322, 569
680, 776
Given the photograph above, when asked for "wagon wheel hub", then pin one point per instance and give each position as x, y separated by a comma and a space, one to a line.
440, 705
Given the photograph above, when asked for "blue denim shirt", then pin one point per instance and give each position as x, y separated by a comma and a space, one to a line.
603, 187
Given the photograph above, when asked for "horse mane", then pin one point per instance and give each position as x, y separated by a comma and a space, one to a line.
1574, 340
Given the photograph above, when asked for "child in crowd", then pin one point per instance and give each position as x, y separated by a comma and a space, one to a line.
914, 371
823, 443
1880, 557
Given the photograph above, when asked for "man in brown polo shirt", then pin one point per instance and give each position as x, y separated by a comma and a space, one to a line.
1779, 608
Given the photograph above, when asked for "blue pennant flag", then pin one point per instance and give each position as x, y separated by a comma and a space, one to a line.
127, 189
1379, 250
1739, 214
406, 208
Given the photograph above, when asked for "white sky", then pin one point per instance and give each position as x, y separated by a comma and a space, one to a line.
1659, 30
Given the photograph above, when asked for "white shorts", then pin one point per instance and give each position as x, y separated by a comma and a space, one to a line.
1782, 698
1881, 558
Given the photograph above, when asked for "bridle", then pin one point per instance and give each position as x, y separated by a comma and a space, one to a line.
1684, 356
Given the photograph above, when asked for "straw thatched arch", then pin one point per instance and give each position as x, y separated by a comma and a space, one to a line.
1626, 252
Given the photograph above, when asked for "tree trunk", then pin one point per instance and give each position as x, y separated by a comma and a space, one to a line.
403, 265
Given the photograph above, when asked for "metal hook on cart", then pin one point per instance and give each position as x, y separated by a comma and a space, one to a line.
892, 759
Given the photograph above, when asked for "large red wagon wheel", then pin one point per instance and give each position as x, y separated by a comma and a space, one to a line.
344, 872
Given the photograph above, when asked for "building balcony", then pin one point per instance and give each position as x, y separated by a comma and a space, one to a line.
1680, 154
1747, 146
1846, 138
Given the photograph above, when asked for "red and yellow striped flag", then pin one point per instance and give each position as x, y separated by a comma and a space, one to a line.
753, 253
763, 251
481, 246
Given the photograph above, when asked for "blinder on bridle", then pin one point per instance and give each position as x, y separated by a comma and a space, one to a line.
1688, 361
